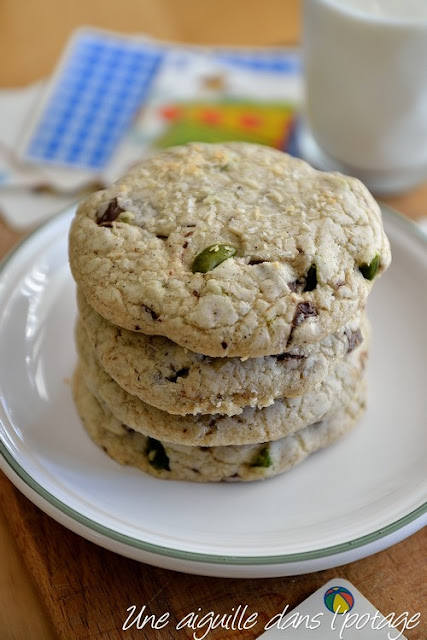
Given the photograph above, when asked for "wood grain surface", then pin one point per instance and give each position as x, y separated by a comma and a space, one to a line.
87, 589
54, 584
32, 34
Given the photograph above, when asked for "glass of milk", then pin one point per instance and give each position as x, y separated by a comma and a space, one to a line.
366, 90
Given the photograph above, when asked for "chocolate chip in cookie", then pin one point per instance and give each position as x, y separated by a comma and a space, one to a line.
112, 211
354, 339
304, 310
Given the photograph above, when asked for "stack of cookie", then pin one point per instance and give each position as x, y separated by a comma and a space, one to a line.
221, 294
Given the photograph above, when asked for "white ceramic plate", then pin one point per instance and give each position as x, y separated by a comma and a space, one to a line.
346, 502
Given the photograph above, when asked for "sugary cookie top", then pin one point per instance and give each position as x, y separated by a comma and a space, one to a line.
229, 249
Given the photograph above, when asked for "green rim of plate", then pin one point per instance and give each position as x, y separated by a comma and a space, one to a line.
190, 555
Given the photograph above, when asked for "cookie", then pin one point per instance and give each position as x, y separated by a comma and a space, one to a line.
231, 250
182, 382
251, 426
208, 464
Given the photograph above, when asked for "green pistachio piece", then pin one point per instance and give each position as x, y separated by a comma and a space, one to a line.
311, 278
369, 271
156, 455
126, 216
211, 257
263, 458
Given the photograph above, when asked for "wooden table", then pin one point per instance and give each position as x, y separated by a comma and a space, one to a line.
54, 584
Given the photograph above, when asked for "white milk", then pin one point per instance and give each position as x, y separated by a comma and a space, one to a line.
366, 87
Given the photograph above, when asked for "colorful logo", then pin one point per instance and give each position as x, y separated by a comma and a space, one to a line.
338, 600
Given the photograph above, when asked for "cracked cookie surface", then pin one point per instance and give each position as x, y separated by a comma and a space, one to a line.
182, 382
282, 418
208, 464
229, 250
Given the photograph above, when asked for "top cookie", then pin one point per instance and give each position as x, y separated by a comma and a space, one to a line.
229, 249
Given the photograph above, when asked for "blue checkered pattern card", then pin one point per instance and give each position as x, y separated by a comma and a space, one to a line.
100, 82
